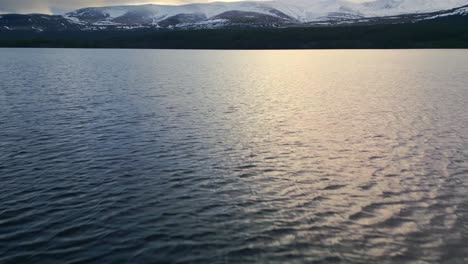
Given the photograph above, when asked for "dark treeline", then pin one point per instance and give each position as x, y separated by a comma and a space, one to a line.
440, 34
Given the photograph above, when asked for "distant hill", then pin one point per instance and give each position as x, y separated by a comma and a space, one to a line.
241, 30
270, 14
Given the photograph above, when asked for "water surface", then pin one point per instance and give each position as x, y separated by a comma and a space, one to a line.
147, 156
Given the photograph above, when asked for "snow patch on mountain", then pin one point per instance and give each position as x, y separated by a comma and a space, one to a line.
294, 10
398, 7
115, 12
308, 10
459, 12
156, 13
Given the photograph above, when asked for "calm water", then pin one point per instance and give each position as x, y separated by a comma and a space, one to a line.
146, 156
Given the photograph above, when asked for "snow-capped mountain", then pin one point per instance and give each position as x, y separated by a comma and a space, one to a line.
287, 10
276, 13
156, 14
398, 7
313, 10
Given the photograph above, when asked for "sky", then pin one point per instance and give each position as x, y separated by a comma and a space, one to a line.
60, 6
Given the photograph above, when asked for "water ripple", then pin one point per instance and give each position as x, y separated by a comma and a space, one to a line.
139, 156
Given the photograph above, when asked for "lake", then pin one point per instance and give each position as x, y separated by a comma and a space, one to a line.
171, 156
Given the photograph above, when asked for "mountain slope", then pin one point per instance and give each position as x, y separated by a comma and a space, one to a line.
36, 22
152, 14
397, 7
442, 32
458, 14
293, 10
235, 14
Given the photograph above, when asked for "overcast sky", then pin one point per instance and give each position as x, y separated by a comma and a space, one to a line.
60, 6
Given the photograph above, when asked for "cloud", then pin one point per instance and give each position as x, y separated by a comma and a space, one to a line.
24, 6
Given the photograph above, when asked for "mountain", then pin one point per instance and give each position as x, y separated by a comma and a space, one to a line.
276, 10
441, 29
398, 7
459, 14
276, 13
36, 22
155, 15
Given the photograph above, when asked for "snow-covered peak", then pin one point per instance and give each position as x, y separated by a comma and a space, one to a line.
398, 7
309, 10
300, 10
156, 13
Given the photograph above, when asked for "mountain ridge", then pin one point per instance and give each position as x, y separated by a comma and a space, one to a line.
297, 10
223, 14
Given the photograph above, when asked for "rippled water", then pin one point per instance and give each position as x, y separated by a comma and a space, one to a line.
144, 156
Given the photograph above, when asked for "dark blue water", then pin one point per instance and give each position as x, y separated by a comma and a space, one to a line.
142, 156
